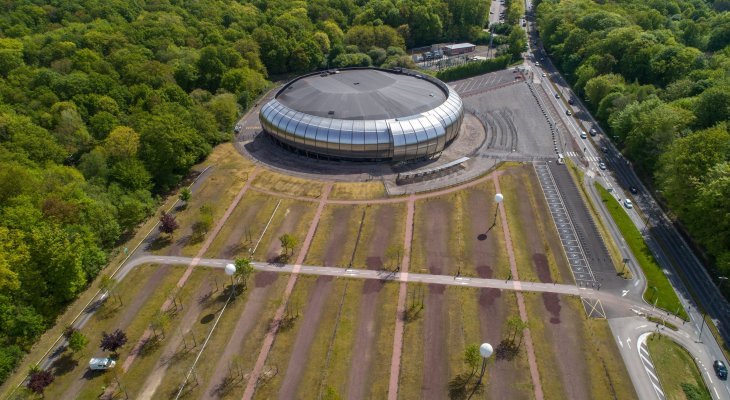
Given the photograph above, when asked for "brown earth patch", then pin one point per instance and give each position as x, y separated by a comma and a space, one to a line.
436, 217
265, 278
384, 225
552, 305
436, 371
540, 261
300, 350
337, 237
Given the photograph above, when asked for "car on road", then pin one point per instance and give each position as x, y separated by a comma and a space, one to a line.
568, 113
602, 165
571, 101
101, 363
604, 149
593, 132
544, 74
557, 95
633, 190
720, 369
583, 135
537, 63
628, 203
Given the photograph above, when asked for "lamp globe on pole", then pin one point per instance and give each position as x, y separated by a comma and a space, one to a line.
230, 270
485, 350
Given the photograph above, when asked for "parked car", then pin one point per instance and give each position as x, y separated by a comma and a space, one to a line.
557, 95
602, 165
583, 135
633, 190
720, 369
571, 101
604, 149
628, 203
101, 363
568, 113
593, 132
544, 74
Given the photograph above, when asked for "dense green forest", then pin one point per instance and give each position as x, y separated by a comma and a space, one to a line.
657, 74
105, 106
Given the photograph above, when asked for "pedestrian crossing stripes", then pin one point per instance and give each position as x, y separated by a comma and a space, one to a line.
576, 155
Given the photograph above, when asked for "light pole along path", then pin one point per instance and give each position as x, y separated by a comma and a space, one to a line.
271, 334
534, 373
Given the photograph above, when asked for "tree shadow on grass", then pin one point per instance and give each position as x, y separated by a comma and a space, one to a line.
64, 364
160, 243
151, 345
506, 350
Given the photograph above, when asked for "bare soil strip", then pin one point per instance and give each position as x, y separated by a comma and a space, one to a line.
435, 353
300, 350
246, 321
312, 314
365, 331
520, 299
269, 339
399, 319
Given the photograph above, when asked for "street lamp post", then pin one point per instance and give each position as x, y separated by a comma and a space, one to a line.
498, 198
722, 282
230, 270
702, 327
485, 350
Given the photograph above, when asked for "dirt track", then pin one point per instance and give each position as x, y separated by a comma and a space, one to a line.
436, 371
337, 237
232, 245
365, 331
300, 350
262, 283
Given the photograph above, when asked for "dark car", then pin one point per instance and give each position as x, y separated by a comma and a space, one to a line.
633, 190
571, 101
568, 113
720, 369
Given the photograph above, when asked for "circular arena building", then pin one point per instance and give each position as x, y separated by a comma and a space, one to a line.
365, 114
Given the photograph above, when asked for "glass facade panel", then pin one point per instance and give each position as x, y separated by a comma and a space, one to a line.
406, 138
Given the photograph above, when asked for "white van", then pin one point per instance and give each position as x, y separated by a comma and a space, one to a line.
101, 363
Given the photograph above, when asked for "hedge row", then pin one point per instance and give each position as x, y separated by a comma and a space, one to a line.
473, 68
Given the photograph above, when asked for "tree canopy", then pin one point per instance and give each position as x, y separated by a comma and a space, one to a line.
657, 74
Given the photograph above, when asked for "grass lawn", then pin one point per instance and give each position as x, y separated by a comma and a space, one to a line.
292, 217
411, 363
517, 227
177, 370
358, 190
378, 235
334, 230
244, 227
327, 366
251, 347
664, 294
286, 184
675, 368
281, 350
494, 248
134, 378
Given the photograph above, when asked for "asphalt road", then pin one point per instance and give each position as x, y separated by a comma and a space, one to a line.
662, 238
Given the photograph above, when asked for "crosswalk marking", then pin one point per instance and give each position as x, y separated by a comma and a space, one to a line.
576, 155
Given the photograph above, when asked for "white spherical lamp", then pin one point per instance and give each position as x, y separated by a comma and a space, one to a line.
486, 350
498, 198
230, 269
